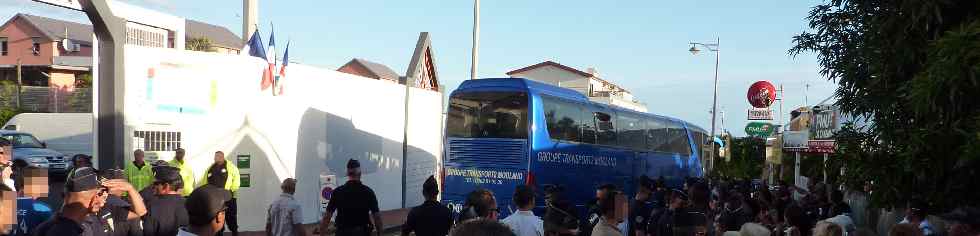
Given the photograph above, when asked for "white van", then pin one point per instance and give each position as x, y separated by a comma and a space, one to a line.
67, 133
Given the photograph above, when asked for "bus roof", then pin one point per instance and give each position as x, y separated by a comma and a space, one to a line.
521, 84
490, 84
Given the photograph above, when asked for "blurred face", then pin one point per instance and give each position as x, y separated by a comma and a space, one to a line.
138, 156
36, 183
599, 193
8, 217
494, 211
219, 221
98, 200
5, 153
180, 155
676, 203
219, 158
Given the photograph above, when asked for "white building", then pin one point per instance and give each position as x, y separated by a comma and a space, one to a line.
588, 83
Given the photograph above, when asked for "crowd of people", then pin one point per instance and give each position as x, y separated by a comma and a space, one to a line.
705, 208
161, 198
164, 198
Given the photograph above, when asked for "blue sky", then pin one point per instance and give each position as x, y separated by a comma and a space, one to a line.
642, 45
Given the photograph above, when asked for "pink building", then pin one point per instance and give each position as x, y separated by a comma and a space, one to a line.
38, 44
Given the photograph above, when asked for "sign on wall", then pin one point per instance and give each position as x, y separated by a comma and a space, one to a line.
761, 94
760, 114
795, 141
824, 123
244, 161
821, 146
759, 129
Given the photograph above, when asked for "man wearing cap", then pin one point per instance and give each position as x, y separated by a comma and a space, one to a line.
206, 208
641, 208
86, 195
224, 174
122, 216
430, 218
963, 221
186, 174
665, 224
166, 209
355, 205
139, 173
285, 216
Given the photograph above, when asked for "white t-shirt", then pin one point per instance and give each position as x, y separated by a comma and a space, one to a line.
524, 223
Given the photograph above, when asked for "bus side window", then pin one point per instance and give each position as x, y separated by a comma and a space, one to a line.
564, 120
631, 132
657, 135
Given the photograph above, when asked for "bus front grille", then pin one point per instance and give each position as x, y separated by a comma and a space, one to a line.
486, 151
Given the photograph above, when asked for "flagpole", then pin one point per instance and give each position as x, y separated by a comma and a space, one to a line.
476, 38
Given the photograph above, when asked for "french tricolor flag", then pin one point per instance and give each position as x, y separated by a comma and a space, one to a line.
270, 54
282, 70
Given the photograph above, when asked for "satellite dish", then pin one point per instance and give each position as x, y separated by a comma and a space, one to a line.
66, 44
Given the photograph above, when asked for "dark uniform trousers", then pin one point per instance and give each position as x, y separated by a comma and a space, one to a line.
231, 218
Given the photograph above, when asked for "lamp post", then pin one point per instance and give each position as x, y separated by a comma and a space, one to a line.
714, 103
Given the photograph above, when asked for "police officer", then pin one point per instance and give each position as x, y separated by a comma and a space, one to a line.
186, 174
430, 218
122, 216
224, 174
85, 197
642, 206
167, 213
139, 172
355, 205
664, 225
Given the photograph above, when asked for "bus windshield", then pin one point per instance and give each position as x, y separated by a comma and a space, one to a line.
488, 115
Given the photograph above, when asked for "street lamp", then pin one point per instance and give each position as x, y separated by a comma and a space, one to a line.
714, 103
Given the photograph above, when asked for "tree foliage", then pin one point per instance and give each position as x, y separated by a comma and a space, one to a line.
199, 44
748, 156
911, 67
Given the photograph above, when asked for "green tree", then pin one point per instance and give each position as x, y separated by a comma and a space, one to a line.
911, 67
202, 44
748, 157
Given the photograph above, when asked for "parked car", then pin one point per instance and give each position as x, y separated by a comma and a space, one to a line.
29, 151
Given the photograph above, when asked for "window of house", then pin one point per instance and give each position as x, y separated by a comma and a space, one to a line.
156, 140
36, 47
3, 46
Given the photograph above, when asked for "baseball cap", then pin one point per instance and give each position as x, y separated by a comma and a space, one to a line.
82, 179
166, 174
205, 202
430, 186
352, 163
112, 174
965, 215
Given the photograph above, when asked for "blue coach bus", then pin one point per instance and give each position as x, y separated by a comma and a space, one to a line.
504, 132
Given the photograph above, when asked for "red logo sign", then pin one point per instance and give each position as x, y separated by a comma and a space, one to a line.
761, 94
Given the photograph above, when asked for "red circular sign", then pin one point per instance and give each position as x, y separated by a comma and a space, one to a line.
761, 94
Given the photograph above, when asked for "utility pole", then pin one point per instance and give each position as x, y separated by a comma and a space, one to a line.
476, 38
19, 72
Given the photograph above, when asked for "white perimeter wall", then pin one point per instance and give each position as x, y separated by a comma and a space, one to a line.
324, 118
